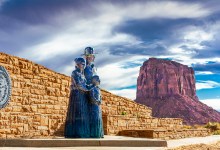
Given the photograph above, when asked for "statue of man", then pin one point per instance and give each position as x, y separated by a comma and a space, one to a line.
90, 69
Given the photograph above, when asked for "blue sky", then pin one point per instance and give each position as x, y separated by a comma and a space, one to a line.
125, 33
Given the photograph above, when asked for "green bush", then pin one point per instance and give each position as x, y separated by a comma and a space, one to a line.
123, 113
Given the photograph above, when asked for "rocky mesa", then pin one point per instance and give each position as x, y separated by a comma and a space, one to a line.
169, 89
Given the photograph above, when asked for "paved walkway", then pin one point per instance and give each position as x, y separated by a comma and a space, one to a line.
196, 140
108, 141
171, 144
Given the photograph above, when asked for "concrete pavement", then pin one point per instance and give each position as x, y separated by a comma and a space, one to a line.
108, 141
170, 144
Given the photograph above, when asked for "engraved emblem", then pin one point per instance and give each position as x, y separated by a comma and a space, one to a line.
5, 87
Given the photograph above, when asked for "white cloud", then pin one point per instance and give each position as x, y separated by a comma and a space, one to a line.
206, 85
191, 42
1, 2
79, 34
76, 33
161, 9
128, 93
203, 73
115, 75
197, 35
214, 103
192, 38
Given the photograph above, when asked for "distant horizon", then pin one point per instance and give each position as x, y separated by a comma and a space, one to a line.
124, 33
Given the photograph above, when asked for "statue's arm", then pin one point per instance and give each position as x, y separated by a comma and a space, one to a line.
94, 69
93, 97
100, 96
78, 83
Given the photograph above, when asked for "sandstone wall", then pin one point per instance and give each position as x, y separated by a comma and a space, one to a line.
40, 98
166, 134
117, 105
115, 124
39, 101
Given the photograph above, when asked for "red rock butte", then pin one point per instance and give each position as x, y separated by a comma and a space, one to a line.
169, 89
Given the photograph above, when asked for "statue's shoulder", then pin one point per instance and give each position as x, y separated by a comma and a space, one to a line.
76, 73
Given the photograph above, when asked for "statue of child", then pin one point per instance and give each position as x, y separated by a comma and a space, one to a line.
96, 125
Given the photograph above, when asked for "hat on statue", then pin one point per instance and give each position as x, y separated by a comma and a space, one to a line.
89, 51
80, 61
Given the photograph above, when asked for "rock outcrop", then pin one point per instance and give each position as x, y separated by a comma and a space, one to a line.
169, 88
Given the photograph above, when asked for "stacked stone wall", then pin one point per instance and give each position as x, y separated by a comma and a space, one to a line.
40, 98
166, 134
115, 124
39, 102
117, 105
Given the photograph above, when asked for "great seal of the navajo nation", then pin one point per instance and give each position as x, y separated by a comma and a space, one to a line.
5, 87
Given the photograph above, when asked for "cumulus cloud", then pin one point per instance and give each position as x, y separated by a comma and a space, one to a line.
124, 33
206, 85
168, 9
117, 75
214, 103
128, 93
2, 2
205, 65
203, 73
99, 30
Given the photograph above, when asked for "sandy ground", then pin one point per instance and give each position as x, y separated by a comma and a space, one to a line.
213, 146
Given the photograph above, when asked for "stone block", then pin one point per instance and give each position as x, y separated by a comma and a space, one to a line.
34, 108
38, 92
16, 108
26, 129
37, 117
26, 108
44, 120
26, 71
34, 101
20, 130
36, 81
16, 91
42, 128
56, 107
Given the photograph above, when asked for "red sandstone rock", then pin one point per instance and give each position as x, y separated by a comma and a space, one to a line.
169, 88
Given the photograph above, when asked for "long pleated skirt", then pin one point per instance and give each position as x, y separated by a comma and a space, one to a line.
96, 125
77, 121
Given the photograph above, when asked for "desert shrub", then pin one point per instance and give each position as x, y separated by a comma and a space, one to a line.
187, 127
217, 132
213, 126
196, 126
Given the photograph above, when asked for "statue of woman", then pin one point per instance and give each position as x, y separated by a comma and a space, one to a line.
96, 125
77, 121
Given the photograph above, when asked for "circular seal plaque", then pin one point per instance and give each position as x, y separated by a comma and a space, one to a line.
5, 87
